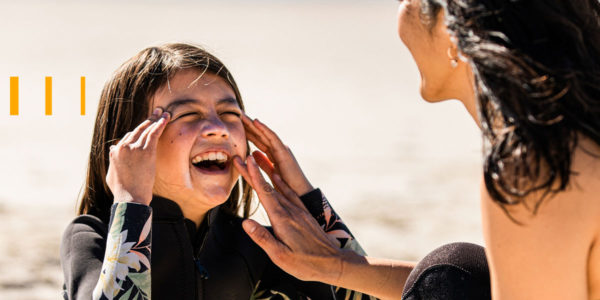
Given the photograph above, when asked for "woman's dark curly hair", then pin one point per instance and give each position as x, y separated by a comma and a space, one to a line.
536, 66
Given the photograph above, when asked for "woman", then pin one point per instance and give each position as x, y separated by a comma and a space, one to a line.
528, 72
159, 214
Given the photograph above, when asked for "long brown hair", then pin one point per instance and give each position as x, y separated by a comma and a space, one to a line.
537, 78
124, 104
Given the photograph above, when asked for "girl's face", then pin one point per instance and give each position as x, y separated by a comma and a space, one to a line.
194, 154
430, 49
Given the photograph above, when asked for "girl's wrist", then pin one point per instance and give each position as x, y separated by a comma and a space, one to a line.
129, 198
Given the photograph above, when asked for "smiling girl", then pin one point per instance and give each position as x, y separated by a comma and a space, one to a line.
159, 215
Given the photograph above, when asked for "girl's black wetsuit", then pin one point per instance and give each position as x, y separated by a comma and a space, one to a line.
154, 252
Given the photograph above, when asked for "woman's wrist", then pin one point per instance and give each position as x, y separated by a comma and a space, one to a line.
304, 189
347, 260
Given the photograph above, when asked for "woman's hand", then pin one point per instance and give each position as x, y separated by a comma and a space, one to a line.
131, 170
300, 246
279, 158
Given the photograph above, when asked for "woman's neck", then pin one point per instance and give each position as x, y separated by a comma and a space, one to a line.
469, 98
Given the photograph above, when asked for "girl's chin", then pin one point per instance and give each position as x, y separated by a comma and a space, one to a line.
213, 195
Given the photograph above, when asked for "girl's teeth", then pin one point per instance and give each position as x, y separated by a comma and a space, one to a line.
218, 156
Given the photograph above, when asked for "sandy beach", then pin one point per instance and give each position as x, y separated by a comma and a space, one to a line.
331, 77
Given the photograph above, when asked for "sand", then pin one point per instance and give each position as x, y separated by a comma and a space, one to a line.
332, 79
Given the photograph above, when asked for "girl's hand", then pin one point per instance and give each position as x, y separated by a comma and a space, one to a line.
279, 158
131, 170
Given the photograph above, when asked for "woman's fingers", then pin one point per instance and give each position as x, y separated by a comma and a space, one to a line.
263, 238
256, 141
274, 140
266, 193
286, 191
239, 164
251, 128
264, 163
255, 135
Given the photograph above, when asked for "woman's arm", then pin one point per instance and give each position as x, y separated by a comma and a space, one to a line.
331, 223
300, 246
280, 162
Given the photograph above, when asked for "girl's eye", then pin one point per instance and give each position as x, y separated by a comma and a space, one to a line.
233, 113
184, 115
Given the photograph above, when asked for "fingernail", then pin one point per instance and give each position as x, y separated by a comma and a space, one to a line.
250, 228
156, 112
238, 160
251, 159
165, 115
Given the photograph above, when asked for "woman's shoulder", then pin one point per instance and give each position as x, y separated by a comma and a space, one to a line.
584, 188
558, 238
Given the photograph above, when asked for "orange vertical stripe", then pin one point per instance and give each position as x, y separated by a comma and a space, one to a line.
83, 95
14, 96
48, 96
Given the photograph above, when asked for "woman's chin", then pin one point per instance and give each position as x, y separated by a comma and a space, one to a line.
431, 97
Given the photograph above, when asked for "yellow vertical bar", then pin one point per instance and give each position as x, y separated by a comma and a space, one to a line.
83, 95
14, 96
48, 96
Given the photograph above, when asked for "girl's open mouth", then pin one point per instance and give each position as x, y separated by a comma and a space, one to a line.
214, 162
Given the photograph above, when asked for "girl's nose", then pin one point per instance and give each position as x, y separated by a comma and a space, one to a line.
213, 127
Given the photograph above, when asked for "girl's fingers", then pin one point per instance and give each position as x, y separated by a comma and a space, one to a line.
137, 132
142, 139
264, 163
125, 138
156, 131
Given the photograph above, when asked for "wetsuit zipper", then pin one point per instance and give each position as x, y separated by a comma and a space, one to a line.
201, 269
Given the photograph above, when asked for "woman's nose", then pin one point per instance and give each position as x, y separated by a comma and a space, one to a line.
213, 127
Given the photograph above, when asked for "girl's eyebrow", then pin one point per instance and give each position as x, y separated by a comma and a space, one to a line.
180, 102
227, 101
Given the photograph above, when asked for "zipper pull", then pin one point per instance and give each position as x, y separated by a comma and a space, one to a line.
201, 269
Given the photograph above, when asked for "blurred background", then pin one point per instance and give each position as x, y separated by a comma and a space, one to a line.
331, 77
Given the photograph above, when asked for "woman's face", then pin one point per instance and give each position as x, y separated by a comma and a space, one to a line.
194, 155
429, 48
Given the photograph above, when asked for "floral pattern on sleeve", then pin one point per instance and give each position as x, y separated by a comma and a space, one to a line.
332, 224
125, 270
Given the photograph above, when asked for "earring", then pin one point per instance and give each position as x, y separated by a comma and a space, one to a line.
453, 60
